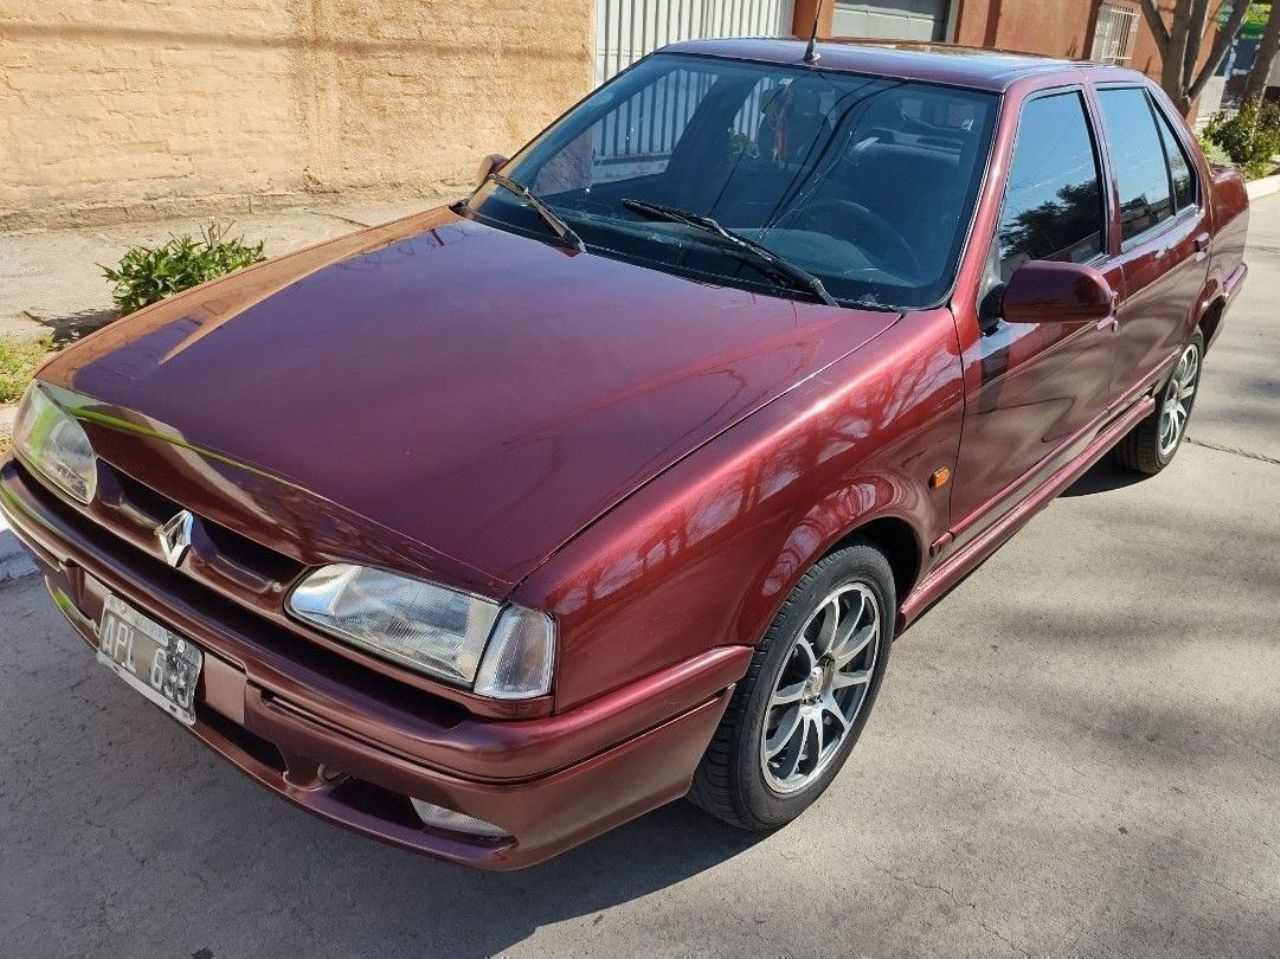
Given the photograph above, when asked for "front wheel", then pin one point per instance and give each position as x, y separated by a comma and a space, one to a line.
1149, 447
796, 716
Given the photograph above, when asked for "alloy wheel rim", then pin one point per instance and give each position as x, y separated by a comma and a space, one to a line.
1176, 406
821, 688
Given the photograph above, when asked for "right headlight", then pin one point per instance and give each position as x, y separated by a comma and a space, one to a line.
501, 650
50, 441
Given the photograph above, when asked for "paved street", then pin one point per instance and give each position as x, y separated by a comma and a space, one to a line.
1076, 753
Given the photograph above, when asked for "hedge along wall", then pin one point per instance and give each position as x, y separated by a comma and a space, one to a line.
111, 109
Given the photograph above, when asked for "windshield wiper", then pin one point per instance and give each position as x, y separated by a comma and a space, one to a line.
761, 254
549, 216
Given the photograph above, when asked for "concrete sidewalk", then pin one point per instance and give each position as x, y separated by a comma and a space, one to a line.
51, 283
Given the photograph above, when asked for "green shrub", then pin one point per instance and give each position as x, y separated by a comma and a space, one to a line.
18, 360
1250, 138
147, 275
1212, 152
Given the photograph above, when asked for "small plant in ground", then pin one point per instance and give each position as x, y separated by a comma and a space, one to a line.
1212, 152
18, 360
1250, 138
147, 275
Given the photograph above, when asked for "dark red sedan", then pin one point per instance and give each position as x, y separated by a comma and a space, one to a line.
489, 529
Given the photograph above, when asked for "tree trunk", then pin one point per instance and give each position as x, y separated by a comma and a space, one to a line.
1173, 76
1179, 45
1195, 34
1256, 84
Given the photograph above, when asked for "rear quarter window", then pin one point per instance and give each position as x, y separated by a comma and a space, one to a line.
1181, 173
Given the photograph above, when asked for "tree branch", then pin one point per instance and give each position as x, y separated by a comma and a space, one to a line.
1221, 44
1156, 23
1195, 36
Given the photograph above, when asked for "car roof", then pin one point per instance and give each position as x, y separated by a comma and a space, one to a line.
935, 62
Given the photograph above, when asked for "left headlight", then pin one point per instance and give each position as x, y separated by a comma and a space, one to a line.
51, 441
504, 651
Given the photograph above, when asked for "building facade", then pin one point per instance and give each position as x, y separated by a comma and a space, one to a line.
1111, 31
113, 109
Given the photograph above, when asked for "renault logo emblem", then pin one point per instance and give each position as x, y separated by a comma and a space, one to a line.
175, 537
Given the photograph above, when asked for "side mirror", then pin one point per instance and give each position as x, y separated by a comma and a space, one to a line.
490, 164
1044, 291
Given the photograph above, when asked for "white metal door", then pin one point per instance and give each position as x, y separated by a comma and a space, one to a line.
626, 30
890, 19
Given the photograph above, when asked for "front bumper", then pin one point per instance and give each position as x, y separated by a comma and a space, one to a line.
351, 748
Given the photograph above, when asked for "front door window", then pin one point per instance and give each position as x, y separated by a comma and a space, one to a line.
1053, 205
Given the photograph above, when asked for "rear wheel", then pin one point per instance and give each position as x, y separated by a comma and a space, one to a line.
796, 716
1150, 446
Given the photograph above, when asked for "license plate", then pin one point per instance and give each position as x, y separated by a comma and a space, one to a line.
154, 660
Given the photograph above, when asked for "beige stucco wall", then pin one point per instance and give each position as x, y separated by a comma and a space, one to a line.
119, 108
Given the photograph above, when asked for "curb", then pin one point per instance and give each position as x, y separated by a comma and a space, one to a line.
1265, 186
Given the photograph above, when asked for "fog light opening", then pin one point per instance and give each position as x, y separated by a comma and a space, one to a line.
438, 817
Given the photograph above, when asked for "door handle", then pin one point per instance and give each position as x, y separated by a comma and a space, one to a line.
1110, 322
1202, 245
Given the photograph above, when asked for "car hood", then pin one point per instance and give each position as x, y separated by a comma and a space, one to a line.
480, 393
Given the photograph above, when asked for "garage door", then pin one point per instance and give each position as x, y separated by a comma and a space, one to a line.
626, 30
891, 19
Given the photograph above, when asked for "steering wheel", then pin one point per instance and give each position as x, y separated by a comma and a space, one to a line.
826, 214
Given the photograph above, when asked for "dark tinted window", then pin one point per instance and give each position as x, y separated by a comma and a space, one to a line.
1138, 155
1184, 187
1052, 205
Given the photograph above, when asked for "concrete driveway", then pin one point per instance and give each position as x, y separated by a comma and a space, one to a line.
1076, 753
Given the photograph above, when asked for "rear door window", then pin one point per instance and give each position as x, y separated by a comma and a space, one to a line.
1140, 161
1052, 205
1183, 180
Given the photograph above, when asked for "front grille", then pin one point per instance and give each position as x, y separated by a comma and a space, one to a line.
135, 510
156, 506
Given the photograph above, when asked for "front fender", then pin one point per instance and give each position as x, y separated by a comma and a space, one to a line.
705, 554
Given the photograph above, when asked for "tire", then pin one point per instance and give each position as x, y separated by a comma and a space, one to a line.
1150, 446
735, 781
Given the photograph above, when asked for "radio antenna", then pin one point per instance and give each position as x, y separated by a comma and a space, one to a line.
811, 54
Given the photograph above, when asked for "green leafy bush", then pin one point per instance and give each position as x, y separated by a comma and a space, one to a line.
147, 275
1250, 138
18, 360
1212, 152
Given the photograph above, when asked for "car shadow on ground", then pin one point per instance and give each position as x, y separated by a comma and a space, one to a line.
1103, 477
350, 885
662, 849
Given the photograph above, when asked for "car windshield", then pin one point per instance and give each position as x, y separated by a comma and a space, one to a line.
865, 184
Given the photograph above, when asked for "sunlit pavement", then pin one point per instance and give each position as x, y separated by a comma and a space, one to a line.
1076, 753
